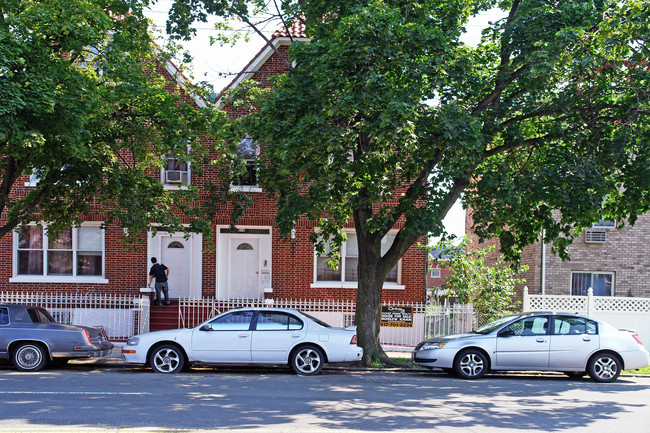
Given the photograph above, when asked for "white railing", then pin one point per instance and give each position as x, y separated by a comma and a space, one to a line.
427, 320
121, 316
621, 312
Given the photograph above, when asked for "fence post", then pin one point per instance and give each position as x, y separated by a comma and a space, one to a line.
526, 299
145, 309
590, 301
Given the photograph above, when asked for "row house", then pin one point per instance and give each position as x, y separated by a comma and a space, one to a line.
249, 262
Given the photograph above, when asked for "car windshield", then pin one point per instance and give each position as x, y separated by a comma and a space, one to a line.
494, 325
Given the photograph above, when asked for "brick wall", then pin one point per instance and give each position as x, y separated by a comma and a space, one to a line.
293, 260
625, 253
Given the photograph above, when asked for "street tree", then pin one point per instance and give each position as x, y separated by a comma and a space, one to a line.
87, 112
387, 117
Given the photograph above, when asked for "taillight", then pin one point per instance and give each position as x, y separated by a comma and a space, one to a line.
354, 339
85, 333
638, 340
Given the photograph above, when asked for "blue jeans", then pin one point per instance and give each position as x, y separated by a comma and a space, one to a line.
165, 289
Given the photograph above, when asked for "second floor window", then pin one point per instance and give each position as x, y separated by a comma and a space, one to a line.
176, 171
247, 152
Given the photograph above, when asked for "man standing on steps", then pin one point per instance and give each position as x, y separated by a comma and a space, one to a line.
160, 272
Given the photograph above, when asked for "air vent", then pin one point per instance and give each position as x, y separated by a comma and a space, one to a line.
595, 236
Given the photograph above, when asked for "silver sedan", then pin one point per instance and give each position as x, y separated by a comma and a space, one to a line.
574, 344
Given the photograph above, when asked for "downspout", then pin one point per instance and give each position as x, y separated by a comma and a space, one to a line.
543, 263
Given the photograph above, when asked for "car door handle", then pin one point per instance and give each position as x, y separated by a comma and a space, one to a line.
541, 340
586, 338
243, 335
296, 335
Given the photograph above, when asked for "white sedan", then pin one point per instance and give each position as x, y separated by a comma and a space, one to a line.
247, 336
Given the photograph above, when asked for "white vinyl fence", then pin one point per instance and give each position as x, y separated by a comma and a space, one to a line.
623, 313
426, 321
121, 316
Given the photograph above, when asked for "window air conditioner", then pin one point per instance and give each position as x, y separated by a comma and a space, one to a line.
175, 176
595, 236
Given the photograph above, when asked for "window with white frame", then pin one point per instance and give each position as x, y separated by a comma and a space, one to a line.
435, 273
247, 152
347, 270
75, 252
602, 283
603, 224
34, 178
176, 171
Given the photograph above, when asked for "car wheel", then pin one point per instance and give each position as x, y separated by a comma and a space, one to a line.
307, 360
29, 357
604, 367
167, 359
470, 364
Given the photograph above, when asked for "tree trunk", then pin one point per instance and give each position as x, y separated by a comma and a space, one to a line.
368, 313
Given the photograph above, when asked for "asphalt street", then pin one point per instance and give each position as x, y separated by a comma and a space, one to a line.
94, 398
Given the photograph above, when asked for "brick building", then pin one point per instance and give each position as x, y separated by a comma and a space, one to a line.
614, 262
249, 262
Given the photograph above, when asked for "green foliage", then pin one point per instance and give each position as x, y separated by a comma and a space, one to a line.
388, 117
490, 288
86, 107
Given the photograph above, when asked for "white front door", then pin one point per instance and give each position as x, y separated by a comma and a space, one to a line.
245, 268
176, 256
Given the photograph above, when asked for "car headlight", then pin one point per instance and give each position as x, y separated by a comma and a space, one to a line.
433, 345
133, 341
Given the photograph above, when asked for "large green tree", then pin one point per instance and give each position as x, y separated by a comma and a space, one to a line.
388, 118
86, 109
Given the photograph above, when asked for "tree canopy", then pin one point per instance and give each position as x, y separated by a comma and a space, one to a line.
87, 110
388, 117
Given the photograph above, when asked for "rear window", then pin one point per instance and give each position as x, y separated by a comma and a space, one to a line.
320, 322
4, 316
39, 316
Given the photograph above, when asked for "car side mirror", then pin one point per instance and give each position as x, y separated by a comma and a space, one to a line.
507, 333
206, 327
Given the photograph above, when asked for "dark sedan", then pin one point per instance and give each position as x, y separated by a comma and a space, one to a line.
31, 339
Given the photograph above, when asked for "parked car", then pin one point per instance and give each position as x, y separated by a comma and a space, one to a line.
247, 336
574, 344
31, 338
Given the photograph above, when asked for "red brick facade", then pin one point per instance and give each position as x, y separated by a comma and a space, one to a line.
292, 261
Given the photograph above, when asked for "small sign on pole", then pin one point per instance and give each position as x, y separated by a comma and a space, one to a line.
397, 316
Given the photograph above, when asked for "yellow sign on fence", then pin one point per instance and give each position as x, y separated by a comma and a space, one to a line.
397, 316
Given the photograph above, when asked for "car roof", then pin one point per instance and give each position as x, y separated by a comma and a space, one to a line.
285, 310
